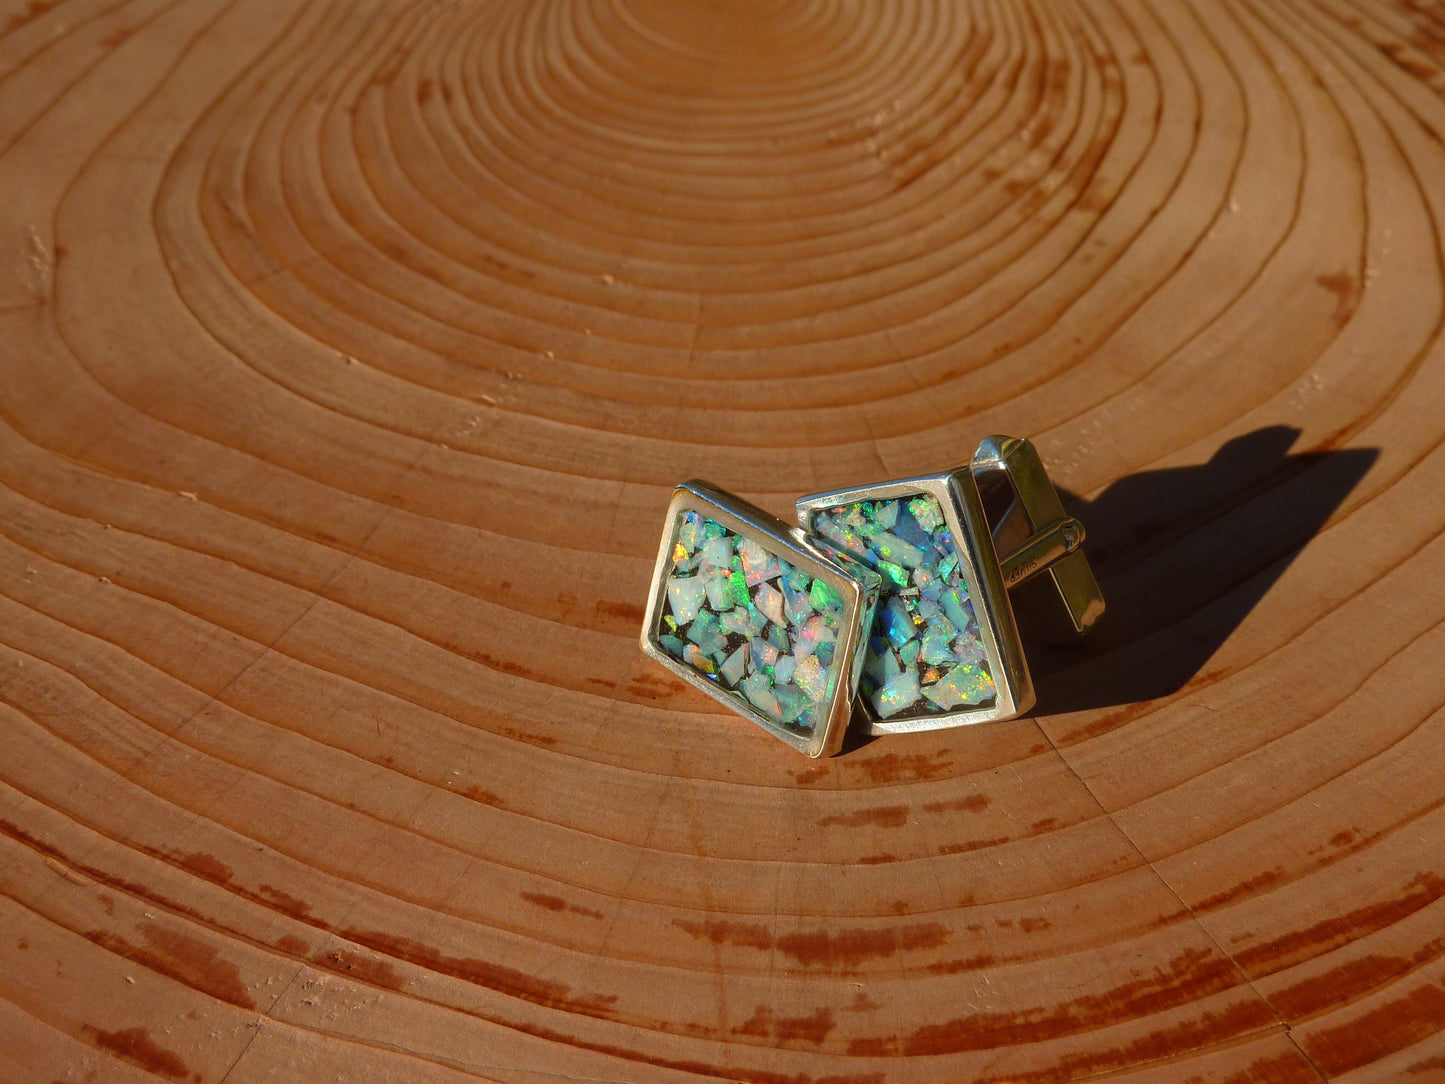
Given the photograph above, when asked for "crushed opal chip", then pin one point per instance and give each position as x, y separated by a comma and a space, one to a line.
926, 512
770, 600
964, 684
795, 599
900, 692
706, 632
685, 596
926, 654
809, 675
824, 599
937, 646
792, 702
758, 564
783, 669
693, 656
765, 655
736, 622
732, 669
687, 536
897, 551
757, 627
896, 622
717, 553
738, 587
814, 633
718, 595
759, 691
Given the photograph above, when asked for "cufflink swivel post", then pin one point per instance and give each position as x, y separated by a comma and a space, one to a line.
1034, 534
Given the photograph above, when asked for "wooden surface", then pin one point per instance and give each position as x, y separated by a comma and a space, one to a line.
348, 355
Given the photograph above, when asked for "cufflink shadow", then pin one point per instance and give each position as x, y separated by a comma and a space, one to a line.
1182, 556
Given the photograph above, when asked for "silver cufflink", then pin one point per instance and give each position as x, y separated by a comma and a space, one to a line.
759, 616
894, 592
944, 649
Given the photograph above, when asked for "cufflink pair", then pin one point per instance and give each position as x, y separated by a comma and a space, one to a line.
893, 592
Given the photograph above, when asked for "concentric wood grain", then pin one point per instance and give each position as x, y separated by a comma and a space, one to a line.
350, 350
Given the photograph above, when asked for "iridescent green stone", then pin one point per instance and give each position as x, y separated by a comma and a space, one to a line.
738, 588
926, 512
894, 574
824, 598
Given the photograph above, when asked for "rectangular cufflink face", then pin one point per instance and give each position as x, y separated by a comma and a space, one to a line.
760, 617
944, 649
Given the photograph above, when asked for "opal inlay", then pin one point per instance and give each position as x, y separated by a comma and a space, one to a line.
925, 655
754, 624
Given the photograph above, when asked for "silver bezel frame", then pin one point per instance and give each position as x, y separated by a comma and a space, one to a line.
957, 494
753, 523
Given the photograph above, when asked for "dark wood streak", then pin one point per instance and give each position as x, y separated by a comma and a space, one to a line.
1302, 944
183, 958
842, 949
136, 1046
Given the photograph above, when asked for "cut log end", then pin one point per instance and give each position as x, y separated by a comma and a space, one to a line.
351, 354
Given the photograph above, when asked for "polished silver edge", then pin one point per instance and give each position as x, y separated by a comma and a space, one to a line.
749, 521
1004, 628
957, 495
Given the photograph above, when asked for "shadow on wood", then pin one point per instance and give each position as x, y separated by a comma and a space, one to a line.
1183, 555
